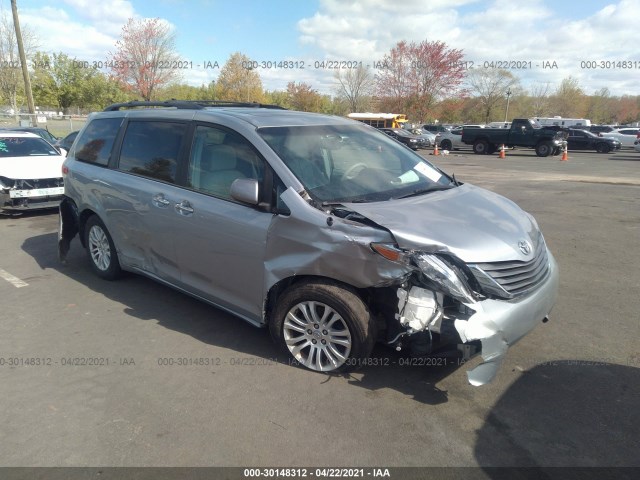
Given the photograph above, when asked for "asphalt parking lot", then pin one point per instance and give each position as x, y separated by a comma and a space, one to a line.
93, 373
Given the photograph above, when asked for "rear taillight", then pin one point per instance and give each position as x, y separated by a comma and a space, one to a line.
65, 169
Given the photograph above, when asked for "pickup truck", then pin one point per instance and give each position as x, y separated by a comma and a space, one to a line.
524, 132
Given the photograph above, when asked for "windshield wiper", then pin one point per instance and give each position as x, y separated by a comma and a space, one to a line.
422, 191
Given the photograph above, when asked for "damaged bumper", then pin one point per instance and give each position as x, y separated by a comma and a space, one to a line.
498, 324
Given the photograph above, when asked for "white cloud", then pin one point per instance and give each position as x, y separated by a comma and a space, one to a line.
501, 30
107, 15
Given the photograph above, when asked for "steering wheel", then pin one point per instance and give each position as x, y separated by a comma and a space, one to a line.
353, 171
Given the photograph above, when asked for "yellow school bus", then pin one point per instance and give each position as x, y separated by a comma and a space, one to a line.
380, 120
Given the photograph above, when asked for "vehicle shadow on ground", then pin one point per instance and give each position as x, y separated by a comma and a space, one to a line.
626, 157
147, 300
568, 413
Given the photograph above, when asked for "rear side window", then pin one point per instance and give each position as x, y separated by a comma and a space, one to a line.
95, 143
151, 149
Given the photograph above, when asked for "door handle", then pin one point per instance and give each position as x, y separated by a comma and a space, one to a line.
160, 201
184, 208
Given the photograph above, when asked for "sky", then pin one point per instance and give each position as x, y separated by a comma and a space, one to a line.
553, 39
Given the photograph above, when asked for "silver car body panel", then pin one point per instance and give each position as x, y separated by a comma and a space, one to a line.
474, 224
248, 251
305, 243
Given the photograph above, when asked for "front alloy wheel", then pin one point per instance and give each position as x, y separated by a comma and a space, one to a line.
324, 326
317, 336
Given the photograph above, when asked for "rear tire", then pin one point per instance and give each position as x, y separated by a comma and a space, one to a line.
103, 257
480, 147
323, 326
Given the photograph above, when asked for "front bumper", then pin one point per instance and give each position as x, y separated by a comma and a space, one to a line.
29, 203
498, 324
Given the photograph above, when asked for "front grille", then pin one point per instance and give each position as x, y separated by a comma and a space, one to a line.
39, 183
512, 278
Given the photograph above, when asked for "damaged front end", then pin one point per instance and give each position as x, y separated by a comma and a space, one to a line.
30, 194
443, 310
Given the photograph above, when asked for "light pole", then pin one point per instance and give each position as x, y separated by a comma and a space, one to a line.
506, 113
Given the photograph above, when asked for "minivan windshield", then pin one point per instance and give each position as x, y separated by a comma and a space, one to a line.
352, 163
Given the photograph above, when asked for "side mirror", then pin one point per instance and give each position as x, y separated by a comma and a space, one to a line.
245, 190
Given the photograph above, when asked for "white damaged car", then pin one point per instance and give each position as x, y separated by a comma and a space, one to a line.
30, 172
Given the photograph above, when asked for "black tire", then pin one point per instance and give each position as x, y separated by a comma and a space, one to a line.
480, 147
446, 145
544, 149
556, 151
603, 148
294, 328
103, 257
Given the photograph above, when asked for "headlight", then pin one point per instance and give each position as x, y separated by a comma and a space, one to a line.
438, 271
413, 140
6, 182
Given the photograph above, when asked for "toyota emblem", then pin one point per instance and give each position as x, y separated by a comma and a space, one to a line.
524, 247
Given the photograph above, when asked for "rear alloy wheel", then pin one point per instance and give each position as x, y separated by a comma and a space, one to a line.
603, 148
103, 257
480, 147
446, 145
324, 327
544, 149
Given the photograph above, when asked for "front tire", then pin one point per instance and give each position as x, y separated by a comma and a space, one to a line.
544, 149
446, 145
603, 148
103, 257
323, 326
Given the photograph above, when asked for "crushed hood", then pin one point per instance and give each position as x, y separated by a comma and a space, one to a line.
25, 168
474, 224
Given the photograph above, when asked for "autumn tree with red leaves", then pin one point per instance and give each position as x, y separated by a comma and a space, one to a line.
413, 77
145, 57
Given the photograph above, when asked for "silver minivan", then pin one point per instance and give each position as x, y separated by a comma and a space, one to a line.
321, 228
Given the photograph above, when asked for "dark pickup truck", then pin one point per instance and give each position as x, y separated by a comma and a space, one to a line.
524, 132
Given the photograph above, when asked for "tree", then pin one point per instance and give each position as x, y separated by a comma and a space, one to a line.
540, 99
414, 76
238, 81
64, 82
11, 81
569, 100
301, 96
490, 86
145, 57
355, 86
600, 106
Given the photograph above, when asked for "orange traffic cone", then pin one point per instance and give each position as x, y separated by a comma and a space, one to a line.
435, 149
565, 155
502, 152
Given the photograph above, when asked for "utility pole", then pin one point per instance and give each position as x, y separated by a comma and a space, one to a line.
23, 62
506, 113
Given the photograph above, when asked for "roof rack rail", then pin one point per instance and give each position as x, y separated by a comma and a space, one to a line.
189, 104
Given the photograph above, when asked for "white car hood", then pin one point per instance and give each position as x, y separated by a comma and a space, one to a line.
37, 166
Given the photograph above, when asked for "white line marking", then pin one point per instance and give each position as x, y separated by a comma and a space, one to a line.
15, 281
